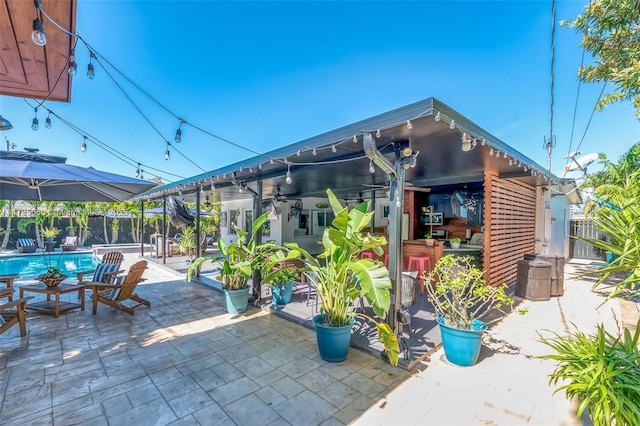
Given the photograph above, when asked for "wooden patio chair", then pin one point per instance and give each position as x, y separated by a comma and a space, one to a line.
115, 295
108, 267
69, 244
13, 313
26, 245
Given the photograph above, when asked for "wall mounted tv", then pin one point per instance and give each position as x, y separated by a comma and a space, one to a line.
432, 218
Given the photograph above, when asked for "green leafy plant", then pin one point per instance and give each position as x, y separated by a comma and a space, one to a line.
50, 232
455, 240
342, 278
281, 276
53, 272
187, 241
602, 371
459, 293
239, 259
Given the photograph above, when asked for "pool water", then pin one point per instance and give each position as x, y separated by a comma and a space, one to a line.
30, 266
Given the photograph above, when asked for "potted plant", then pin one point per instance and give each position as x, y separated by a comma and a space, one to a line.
239, 259
342, 279
52, 277
455, 242
463, 302
187, 242
281, 284
429, 240
49, 233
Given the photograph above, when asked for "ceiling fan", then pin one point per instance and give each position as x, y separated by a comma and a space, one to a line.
408, 186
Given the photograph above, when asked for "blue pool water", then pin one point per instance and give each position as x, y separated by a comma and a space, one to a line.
30, 266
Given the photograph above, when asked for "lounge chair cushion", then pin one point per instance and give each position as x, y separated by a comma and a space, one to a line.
104, 268
26, 242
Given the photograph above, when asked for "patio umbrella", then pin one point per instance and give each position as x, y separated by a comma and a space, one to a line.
33, 176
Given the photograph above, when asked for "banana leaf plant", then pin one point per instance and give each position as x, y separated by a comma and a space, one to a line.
342, 278
239, 259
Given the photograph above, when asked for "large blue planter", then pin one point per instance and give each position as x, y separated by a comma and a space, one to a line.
281, 293
237, 300
333, 342
462, 347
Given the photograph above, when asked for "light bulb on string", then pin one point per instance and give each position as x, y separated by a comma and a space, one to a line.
83, 148
483, 143
452, 125
409, 125
250, 169
73, 67
260, 166
333, 148
167, 154
202, 190
437, 117
372, 168
378, 133
241, 169
37, 35
355, 139
288, 179
298, 153
178, 137
315, 151
34, 122
504, 155
91, 72
271, 160
47, 122
491, 152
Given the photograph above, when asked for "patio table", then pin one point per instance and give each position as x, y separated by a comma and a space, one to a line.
54, 307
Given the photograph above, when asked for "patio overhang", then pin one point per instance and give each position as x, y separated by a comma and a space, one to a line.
26, 69
427, 126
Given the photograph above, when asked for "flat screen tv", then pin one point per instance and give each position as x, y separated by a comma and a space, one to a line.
432, 218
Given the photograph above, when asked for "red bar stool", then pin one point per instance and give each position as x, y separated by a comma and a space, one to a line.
367, 254
422, 264
386, 260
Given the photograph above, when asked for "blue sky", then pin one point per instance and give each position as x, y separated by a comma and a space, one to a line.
267, 74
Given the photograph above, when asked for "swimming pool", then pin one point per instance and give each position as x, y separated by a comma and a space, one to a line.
30, 266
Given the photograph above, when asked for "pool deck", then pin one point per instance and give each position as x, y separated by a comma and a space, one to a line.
186, 361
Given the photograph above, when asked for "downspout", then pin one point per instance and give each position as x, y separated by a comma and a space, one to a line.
395, 222
141, 228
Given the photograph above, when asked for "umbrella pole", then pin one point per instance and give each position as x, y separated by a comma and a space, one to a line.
164, 231
141, 228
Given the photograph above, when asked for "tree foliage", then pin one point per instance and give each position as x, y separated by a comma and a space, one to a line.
611, 33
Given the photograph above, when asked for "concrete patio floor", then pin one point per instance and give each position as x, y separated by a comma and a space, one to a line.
186, 361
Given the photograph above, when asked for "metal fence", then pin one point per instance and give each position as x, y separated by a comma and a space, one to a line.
585, 228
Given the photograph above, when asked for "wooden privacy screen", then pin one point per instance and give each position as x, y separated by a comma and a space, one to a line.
510, 226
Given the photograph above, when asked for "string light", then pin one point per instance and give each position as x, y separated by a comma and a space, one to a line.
213, 186
271, 161
298, 153
452, 125
138, 171
315, 152
409, 125
178, 137
483, 143
378, 133
167, 154
466, 142
202, 190
437, 117
47, 122
83, 148
37, 36
34, 122
241, 169
372, 168
73, 67
288, 179
504, 155
355, 139
260, 166
250, 169
491, 152
91, 72
333, 148
510, 162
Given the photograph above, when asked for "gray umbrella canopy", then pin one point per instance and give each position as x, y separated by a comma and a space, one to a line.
33, 176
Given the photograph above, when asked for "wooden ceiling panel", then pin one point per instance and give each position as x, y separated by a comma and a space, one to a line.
28, 70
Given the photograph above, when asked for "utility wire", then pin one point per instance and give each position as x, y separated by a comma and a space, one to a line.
591, 116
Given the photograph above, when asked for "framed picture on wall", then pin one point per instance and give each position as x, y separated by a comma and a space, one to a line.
385, 211
233, 217
223, 219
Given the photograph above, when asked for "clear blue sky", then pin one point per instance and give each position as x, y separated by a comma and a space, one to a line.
267, 74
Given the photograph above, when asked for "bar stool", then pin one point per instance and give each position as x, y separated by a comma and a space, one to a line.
368, 254
422, 264
386, 260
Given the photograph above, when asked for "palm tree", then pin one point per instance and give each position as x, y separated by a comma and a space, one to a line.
9, 204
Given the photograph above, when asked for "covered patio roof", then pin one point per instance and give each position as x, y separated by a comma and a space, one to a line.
336, 159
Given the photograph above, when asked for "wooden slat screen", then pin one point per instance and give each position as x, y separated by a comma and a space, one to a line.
510, 226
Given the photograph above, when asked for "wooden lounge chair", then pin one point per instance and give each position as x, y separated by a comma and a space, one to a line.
115, 295
104, 273
14, 313
26, 245
69, 244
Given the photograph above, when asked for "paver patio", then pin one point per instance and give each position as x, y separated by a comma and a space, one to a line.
186, 361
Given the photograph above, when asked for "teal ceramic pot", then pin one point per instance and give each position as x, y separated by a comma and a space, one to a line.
281, 293
462, 347
237, 300
333, 342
